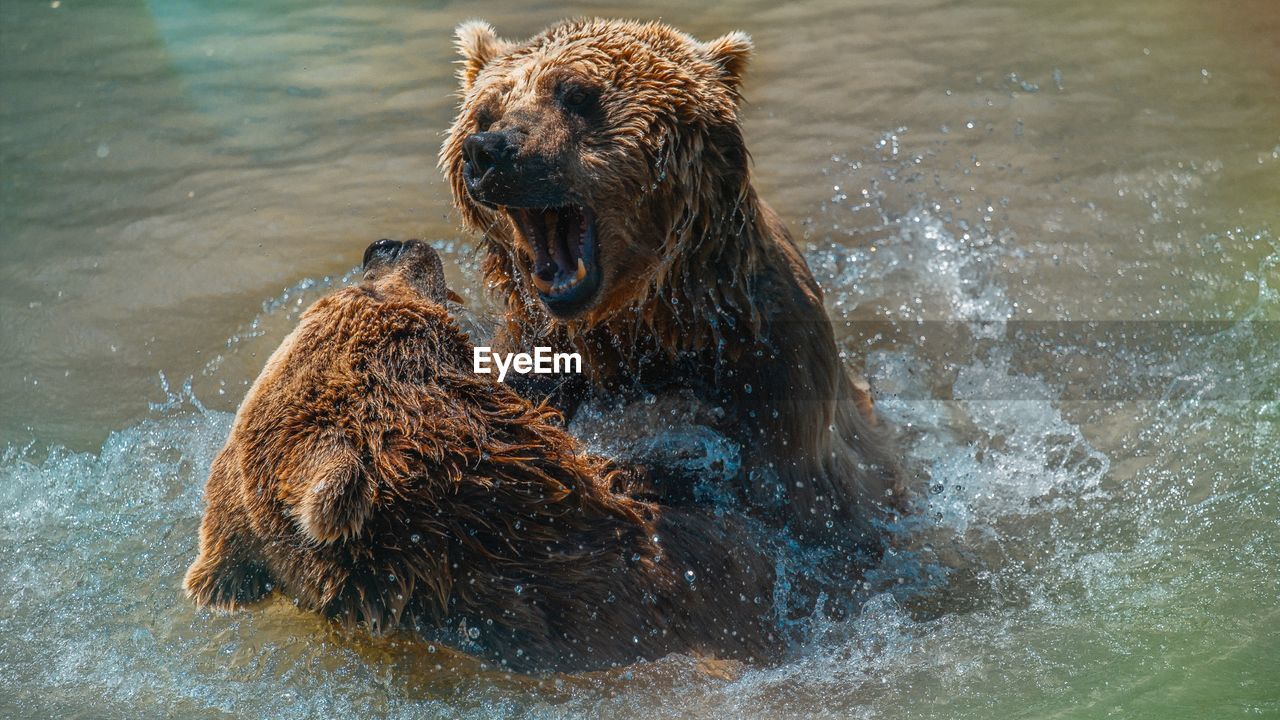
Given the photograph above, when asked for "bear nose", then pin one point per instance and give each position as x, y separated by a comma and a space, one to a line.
488, 151
383, 250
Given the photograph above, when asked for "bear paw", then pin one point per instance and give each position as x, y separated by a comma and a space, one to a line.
224, 582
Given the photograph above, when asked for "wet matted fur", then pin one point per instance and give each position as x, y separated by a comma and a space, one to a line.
373, 477
674, 274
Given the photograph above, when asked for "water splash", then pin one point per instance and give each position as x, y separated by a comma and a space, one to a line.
1061, 538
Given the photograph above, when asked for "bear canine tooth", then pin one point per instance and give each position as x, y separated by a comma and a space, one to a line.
543, 285
582, 272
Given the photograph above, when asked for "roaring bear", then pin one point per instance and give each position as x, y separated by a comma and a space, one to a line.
603, 164
373, 477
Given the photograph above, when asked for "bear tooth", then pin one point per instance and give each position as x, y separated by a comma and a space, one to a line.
542, 285
582, 272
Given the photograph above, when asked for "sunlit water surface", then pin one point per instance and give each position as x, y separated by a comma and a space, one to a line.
1046, 231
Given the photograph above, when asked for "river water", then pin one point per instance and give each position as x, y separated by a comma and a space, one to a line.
1047, 232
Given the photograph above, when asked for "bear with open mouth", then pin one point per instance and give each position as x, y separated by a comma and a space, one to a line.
371, 476
604, 165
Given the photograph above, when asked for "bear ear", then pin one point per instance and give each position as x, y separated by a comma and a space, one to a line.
731, 53
478, 44
332, 498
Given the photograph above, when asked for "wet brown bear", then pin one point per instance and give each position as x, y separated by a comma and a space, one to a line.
373, 477
604, 164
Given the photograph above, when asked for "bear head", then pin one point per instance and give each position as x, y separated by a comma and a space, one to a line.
590, 153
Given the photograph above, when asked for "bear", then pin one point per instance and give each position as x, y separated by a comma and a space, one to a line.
603, 165
371, 476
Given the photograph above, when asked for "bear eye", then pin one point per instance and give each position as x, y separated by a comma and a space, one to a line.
484, 119
580, 100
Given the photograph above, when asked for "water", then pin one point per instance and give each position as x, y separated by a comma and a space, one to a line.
1047, 233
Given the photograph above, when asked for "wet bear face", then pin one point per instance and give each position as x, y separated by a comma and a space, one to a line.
584, 152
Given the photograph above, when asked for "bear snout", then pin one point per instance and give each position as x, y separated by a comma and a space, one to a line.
415, 261
381, 251
499, 170
485, 153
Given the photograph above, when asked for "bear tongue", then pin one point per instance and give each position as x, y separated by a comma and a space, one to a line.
544, 273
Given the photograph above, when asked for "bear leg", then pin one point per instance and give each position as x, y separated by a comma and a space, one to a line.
225, 579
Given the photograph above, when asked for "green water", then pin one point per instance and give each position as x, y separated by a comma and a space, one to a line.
1047, 232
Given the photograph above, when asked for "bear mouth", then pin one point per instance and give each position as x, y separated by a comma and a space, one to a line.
564, 269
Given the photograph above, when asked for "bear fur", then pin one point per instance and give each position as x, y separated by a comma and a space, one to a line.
673, 275
372, 476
